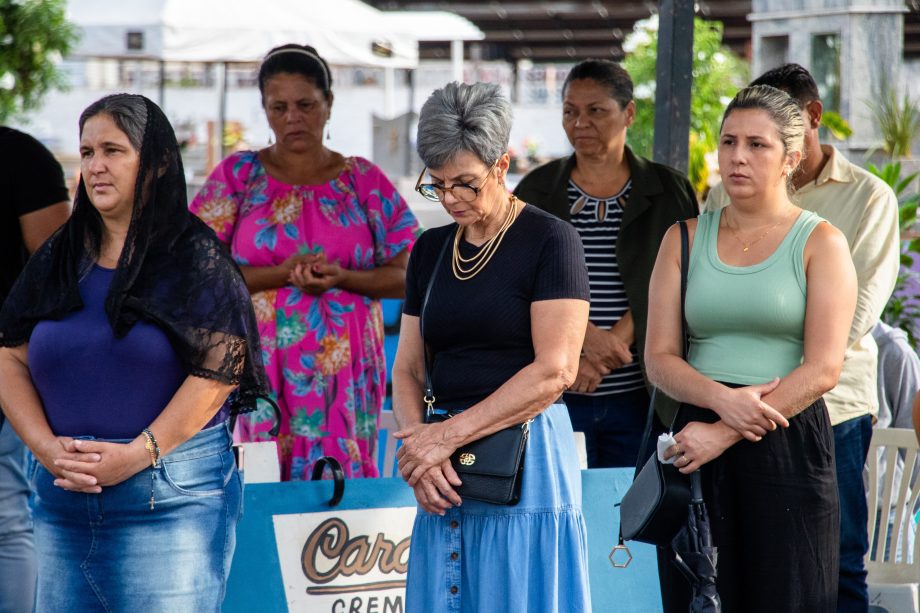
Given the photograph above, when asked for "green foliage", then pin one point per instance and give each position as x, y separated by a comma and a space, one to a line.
34, 35
836, 125
717, 75
898, 121
903, 309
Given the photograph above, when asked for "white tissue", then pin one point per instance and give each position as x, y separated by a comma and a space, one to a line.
665, 441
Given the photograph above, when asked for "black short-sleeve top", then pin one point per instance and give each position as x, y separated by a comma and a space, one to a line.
479, 331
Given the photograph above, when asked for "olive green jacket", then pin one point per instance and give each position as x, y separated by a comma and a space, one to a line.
660, 196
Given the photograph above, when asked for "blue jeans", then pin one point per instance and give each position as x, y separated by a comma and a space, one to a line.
613, 425
851, 444
17, 551
112, 552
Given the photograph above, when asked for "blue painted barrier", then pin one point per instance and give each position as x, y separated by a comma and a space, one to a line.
332, 548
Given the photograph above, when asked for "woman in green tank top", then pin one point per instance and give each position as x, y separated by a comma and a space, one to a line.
770, 298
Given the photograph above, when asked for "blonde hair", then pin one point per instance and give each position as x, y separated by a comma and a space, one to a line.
782, 109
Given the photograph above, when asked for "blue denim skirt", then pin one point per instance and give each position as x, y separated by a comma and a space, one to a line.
112, 552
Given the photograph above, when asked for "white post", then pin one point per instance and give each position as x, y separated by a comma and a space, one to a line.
456, 60
389, 92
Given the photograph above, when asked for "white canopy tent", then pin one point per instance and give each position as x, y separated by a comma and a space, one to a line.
345, 32
348, 32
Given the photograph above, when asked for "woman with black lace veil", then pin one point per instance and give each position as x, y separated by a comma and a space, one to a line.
125, 345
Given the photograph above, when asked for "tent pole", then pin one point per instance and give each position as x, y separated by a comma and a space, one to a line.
161, 94
456, 60
410, 81
222, 112
674, 75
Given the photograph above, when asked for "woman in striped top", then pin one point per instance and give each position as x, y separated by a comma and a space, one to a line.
621, 205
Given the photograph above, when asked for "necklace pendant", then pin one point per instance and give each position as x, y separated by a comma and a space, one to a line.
746, 248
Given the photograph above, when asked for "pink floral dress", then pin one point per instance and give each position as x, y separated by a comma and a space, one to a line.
323, 354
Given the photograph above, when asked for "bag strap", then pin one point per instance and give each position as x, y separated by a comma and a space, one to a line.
684, 266
429, 390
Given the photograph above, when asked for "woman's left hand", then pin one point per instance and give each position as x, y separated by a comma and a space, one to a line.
317, 277
117, 462
423, 446
699, 443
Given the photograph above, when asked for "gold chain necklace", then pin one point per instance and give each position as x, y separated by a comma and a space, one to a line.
747, 247
485, 252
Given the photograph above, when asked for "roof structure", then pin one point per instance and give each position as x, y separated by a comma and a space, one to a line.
571, 30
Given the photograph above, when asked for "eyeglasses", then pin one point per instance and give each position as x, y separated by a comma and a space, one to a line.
463, 192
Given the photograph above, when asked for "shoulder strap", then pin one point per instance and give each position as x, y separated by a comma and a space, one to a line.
684, 265
429, 390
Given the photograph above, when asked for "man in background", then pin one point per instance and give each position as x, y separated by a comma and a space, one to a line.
33, 203
865, 209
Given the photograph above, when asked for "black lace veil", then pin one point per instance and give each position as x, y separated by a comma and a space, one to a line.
173, 272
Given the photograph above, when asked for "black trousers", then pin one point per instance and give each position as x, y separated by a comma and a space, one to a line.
775, 518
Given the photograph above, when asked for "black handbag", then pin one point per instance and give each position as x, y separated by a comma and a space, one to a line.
491, 468
655, 506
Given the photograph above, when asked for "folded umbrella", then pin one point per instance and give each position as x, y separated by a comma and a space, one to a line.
694, 554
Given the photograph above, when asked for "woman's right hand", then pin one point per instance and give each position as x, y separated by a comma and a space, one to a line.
435, 491
54, 449
744, 411
589, 377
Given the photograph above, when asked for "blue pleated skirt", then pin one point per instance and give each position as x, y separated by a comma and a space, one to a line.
529, 557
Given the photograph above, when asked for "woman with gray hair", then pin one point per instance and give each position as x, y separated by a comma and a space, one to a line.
504, 315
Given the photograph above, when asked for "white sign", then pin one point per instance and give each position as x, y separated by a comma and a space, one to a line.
345, 561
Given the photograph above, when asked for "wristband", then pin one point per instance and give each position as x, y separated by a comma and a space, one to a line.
152, 447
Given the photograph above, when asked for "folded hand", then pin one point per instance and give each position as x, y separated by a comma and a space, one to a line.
423, 447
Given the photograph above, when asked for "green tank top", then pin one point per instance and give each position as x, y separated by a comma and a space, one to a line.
747, 323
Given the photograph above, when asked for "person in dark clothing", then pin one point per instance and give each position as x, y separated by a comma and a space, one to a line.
621, 205
33, 203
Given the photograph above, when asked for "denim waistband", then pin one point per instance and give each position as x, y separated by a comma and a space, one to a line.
207, 442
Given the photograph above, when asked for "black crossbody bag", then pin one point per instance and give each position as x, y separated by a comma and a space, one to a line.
491, 468
655, 506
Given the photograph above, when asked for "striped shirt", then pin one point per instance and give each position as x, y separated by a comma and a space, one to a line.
597, 221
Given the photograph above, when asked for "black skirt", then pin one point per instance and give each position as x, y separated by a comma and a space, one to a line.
775, 518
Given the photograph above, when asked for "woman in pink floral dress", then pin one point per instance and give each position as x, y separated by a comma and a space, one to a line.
320, 238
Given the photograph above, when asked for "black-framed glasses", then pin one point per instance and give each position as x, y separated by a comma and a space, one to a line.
464, 192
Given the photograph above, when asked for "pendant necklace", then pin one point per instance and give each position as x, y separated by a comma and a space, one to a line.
747, 246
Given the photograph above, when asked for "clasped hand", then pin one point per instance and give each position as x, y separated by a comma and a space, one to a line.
87, 466
744, 411
603, 352
313, 274
423, 461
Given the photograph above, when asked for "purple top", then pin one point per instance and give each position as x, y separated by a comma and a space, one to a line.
92, 384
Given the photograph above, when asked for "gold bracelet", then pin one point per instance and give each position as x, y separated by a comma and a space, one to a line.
152, 447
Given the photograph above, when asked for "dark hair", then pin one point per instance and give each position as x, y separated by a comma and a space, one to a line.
607, 74
128, 111
792, 79
302, 60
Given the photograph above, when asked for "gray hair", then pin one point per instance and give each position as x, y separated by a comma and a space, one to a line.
782, 109
461, 117
128, 111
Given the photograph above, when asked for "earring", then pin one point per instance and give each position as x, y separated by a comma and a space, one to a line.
271, 139
328, 131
